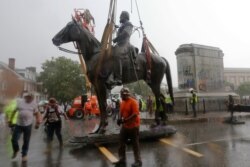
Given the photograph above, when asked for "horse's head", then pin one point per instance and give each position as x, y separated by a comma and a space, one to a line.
71, 32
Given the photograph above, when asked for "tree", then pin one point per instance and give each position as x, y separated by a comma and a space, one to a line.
62, 78
144, 90
244, 89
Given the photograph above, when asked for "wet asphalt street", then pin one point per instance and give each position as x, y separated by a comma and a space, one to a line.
215, 144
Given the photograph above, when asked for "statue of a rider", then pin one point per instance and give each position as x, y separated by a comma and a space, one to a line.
122, 47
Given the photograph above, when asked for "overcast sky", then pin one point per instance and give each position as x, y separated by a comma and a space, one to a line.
27, 27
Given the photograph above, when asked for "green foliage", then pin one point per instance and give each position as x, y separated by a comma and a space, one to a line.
62, 78
244, 89
228, 84
144, 90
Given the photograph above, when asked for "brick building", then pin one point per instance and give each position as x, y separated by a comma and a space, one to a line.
14, 81
11, 83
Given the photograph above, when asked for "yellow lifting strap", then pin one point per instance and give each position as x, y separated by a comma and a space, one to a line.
107, 34
106, 41
84, 68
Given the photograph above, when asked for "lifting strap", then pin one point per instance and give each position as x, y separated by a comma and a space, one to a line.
147, 47
106, 41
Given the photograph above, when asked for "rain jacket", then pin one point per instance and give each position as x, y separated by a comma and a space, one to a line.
9, 109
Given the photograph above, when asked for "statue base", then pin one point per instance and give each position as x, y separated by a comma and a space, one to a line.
107, 138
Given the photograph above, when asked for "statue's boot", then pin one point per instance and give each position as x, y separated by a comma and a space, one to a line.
118, 74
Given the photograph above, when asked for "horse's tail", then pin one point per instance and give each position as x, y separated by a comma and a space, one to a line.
169, 80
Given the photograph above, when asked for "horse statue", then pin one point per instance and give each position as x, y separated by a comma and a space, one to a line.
99, 67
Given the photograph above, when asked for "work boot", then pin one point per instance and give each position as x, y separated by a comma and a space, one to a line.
14, 155
136, 164
120, 164
48, 148
24, 158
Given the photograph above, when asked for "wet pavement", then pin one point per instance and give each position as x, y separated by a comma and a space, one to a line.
221, 145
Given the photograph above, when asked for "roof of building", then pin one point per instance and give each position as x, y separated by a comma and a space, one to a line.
5, 66
236, 69
190, 48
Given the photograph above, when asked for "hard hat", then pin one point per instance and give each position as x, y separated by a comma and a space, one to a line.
191, 89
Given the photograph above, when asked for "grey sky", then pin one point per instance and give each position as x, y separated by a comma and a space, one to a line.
27, 27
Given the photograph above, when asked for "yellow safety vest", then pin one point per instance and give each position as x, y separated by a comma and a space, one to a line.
193, 98
168, 100
9, 109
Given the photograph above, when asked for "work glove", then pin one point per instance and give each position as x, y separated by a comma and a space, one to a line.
120, 121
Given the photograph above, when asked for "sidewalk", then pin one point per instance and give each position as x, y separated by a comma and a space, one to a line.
180, 117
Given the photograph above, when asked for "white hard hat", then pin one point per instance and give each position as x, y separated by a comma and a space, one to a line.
191, 89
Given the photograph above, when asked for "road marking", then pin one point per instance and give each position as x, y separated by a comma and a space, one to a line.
107, 154
218, 140
194, 153
187, 150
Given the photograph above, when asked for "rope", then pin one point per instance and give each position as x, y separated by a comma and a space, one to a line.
139, 17
107, 36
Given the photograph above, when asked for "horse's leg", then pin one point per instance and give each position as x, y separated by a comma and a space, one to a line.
102, 95
156, 90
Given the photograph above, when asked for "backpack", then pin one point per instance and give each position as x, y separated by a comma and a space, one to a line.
52, 114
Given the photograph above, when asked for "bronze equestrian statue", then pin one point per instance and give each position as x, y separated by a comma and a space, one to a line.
99, 72
122, 47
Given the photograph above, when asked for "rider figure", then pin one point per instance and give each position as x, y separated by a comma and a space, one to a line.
122, 45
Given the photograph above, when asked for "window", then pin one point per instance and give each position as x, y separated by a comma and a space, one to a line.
3, 85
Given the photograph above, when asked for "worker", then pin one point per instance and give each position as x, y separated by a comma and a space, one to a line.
26, 109
162, 110
193, 101
8, 110
130, 121
169, 104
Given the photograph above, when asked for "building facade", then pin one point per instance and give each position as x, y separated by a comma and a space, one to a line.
234, 77
11, 83
14, 81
